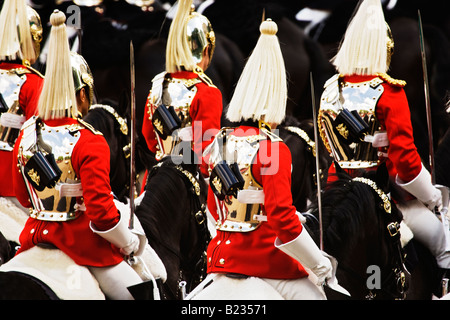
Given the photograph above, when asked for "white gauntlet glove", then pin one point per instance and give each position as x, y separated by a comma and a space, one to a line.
422, 188
304, 250
121, 237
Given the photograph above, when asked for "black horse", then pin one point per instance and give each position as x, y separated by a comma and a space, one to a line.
172, 214
360, 226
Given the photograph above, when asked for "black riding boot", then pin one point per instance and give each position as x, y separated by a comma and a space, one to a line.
142, 291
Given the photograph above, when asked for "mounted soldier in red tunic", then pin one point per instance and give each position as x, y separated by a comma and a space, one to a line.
365, 121
20, 84
184, 107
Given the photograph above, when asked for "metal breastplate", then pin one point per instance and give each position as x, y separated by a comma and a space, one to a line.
360, 97
179, 94
241, 214
11, 114
64, 201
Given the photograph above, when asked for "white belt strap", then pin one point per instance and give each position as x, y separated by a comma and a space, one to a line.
186, 134
250, 196
378, 140
12, 120
69, 189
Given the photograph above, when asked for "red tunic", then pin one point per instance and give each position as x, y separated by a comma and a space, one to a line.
205, 112
253, 253
393, 113
28, 100
90, 161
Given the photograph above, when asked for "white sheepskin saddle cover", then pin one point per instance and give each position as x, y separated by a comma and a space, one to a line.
12, 219
68, 280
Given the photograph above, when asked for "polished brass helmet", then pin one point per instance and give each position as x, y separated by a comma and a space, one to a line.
82, 75
35, 28
200, 35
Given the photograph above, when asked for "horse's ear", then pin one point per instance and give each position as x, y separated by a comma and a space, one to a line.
339, 170
382, 176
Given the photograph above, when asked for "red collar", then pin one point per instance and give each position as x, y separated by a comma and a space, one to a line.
9, 65
184, 75
60, 122
358, 78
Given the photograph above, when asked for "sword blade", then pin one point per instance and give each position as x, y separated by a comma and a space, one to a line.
132, 136
427, 100
316, 146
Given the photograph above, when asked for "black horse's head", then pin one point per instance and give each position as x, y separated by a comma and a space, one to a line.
360, 228
172, 214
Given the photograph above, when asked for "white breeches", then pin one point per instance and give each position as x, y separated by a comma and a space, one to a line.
252, 288
297, 289
427, 229
114, 280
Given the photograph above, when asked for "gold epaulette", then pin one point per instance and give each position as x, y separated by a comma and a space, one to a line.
33, 70
204, 77
89, 127
27, 68
189, 83
390, 80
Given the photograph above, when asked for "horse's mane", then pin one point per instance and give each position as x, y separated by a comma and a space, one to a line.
346, 210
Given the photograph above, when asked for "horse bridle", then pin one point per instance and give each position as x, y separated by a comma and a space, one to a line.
398, 271
124, 130
198, 213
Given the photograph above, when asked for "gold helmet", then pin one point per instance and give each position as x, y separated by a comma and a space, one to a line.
190, 35
35, 29
200, 35
82, 75
21, 32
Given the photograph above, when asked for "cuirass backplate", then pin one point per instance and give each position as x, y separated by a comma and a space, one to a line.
238, 216
362, 98
63, 200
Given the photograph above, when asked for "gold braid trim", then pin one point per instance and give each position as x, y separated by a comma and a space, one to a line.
390, 80
303, 135
89, 127
122, 122
384, 197
191, 178
322, 130
203, 76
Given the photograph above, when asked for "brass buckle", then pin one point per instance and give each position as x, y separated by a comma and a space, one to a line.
199, 217
393, 228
